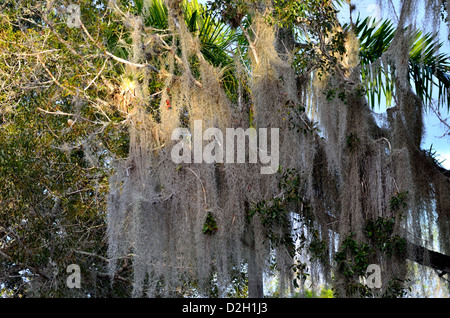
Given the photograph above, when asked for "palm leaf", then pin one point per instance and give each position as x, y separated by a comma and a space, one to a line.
427, 68
156, 15
215, 37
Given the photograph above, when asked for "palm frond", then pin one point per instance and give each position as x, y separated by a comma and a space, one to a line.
214, 36
428, 69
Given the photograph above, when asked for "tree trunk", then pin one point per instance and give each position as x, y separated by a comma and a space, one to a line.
255, 277
254, 270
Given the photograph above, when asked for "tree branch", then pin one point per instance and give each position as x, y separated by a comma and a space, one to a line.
138, 65
424, 256
35, 270
94, 255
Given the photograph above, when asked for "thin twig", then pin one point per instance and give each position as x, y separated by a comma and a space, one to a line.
94, 255
36, 53
138, 65
58, 112
51, 75
151, 67
251, 45
385, 139
95, 78
204, 191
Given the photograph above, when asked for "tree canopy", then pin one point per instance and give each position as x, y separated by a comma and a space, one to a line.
93, 91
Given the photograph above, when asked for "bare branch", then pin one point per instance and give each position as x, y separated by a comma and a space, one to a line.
93, 255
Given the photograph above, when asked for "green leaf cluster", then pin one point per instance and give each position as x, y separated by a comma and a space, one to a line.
210, 225
380, 232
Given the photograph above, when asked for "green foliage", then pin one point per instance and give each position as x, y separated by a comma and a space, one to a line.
298, 120
352, 261
239, 284
275, 211
343, 92
55, 174
210, 225
398, 201
317, 247
300, 270
396, 288
214, 35
433, 156
55, 177
231, 12
352, 142
274, 215
314, 23
352, 257
324, 293
288, 13
380, 232
48, 198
